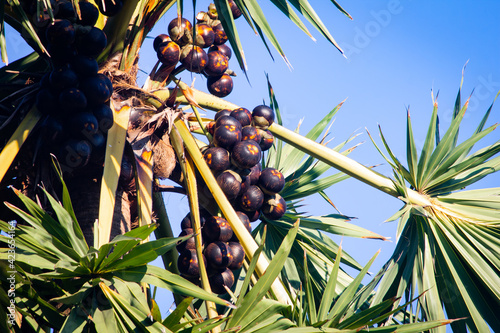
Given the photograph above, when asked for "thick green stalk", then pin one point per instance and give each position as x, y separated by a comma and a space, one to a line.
345, 164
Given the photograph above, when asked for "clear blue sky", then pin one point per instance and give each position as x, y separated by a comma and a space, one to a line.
397, 51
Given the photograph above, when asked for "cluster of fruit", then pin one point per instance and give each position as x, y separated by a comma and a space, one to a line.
74, 96
187, 45
238, 139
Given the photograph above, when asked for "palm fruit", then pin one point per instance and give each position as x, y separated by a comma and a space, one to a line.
82, 124
189, 243
72, 99
104, 116
223, 112
246, 222
60, 33
84, 66
221, 279
220, 34
234, 9
110, 7
161, 38
186, 221
89, 14
217, 228
223, 48
230, 183
187, 263
168, 53
179, 31
227, 120
217, 254
271, 181
217, 158
220, 86
267, 140
98, 142
245, 154
92, 43
252, 199
217, 64
263, 116
242, 115
274, 206
194, 58
96, 88
46, 102
226, 136
75, 153
238, 255
62, 78
250, 133
203, 35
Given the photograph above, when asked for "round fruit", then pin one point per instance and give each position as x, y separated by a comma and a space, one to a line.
271, 181
179, 31
62, 78
96, 89
223, 48
65, 10
186, 221
253, 215
220, 34
92, 43
61, 32
226, 136
238, 255
230, 183
189, 243
217, 64
52, 129
217, 228
217, 158
82, 124
246, 154
106, 80
72, 99
252, 199
161, 38
254, 174
227, 120
210, 127
169, 53
221, 279
274, 207
250, 133
104, 116
223, 112
234, 9
217, 254
187, 263
110, 7
263, 116
89, 14
46, 102
194, 58
220, 86
203, 35
246, 222
98, 142
75, 153
84, 66
242, 115
267, 140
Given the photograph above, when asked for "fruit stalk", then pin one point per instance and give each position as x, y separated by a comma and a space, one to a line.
346, 165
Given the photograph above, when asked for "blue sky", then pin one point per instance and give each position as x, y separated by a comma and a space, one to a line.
397, 52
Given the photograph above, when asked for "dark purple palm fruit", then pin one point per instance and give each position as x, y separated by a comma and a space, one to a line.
246, 154
217, 64
227, 120
263, 116
250, 133
217, 254
223, 112
234, 9
217, 159
271, 181
52, 130
242, 115
169, 53
274, 206
220, 86
188, 264
223, 48
246, 222
92, 43
106, 80
46, 102
254, 174
104, 116
82, 124
194, 58
267, 140
186, 221
252, 199
217, 228
98, 142
203, 35
253, 215
65, 10
110, 7
62, 78
220, 279
230, 183
189, 243
60, 33
180, 31
226, 136
238, 253
89, 14
96, 88
72, 99
220, 34
84, 66
75, 153
161, 38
